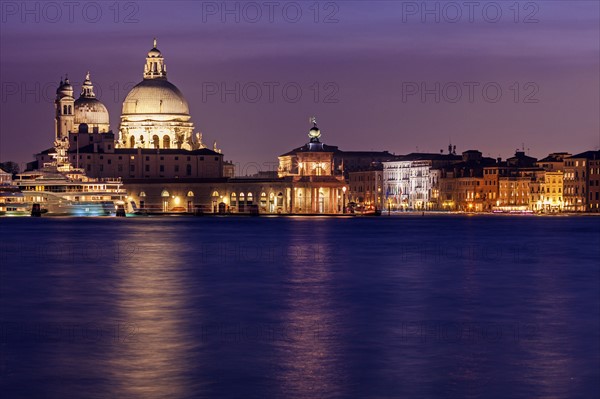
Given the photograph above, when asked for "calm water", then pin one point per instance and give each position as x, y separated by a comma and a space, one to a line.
407, 307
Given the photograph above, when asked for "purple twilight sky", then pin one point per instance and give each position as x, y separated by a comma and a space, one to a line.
504, 75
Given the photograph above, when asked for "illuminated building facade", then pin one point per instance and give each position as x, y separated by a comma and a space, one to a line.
155, 136
462, 184
314, 187
552, 186
411, 183
365, 188
581, 182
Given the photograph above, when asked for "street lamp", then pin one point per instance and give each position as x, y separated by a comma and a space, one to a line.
344, 200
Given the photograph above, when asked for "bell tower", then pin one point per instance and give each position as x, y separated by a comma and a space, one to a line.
64, 106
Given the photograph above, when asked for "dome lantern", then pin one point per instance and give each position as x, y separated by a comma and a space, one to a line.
155, 67
87, 89
90, 114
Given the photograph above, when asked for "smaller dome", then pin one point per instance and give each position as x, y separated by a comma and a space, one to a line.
90, 111
65, 87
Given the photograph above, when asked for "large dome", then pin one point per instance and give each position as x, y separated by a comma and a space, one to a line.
155, 96
90, 111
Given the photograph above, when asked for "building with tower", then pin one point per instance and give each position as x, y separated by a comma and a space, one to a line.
312, 186
64, 104
155, 139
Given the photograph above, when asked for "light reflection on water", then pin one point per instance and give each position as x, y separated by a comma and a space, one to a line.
300, 307
151, 293
307, 359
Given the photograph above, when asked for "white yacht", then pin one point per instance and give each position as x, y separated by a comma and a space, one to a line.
61, 189
12, 201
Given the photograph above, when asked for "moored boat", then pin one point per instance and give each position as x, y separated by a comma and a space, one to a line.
61, 189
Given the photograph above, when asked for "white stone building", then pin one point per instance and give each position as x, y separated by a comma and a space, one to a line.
411, 181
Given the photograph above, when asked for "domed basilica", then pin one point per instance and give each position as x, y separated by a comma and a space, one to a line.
155, 113
155, 137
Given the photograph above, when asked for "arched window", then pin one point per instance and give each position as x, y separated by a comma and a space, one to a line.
280, 199
64, 109
156, 141
190, 194
70, 110
143, 194
83, 128
215, 194
132, 142
263, 200
164, 193
166, 142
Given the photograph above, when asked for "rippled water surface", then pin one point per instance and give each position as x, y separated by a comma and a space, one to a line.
408, 307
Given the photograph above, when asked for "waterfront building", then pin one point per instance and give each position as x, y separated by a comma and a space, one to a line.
319, 159
316, 171
365, 188
552, 183
537, 186
581, 182
411, 182
515, 183
513, 193
462, 184
594, 183
316, 188
491, 184
98, 155
552, 189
